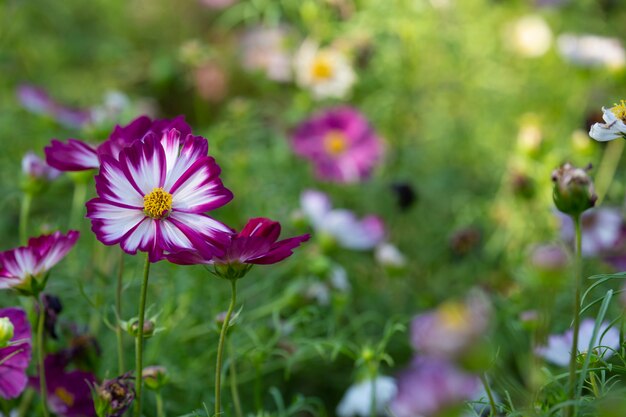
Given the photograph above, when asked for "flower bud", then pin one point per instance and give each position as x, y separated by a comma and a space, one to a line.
6, 331
573, 189
114, 396
155, 377
231, 271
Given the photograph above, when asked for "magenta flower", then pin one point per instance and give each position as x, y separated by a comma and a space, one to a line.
431, 386
341, 144
341, 225
68, 392
76, 155
15, 351
38, 101
154, 197
25, 268
256, 244
36, 168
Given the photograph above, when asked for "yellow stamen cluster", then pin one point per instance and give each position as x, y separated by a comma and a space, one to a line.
453, 315
619, 110
157, 204
322, 68
335, 142
65, 396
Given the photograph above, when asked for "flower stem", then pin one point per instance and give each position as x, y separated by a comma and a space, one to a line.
572, 409
139, 338
492, 402
24, 213
118, 313
159, 404
220, 347
40, 356
234, 387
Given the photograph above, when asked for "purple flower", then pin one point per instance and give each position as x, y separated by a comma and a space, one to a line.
430, 386
560, 345
549, 257
24, 268
602, 229
341, 144
114, 396
68, 393
154, 197
256, 244
342, 225
76, 155
15, 351
38, 101
451, 328
36, 168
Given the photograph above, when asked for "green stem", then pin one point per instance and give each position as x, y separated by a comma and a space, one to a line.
220, 347
234, 387
373, 412
139, 337
159, 404
78, 201
607, 168
118, 313
492, 402
40, 356
24, 213
572, 409
27, 399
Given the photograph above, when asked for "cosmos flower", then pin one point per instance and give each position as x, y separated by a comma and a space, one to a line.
615, 126
257, 243
264, 49
357, 401
154, 197
431, 386
592, 50
68, 392
559, 345
36, 168
39, 101
326, 72
341, 225
76, 155
25, 268
452, 327
602, 230
15, 351
341, 144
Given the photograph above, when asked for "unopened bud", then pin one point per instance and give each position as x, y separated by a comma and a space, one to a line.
6, 331
155, 377
573, 189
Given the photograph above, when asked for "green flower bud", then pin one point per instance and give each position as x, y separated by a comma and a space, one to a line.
6, 331
155, 377
231, 271
573, 189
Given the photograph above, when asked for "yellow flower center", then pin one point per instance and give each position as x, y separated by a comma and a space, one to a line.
619, 110
65, 396
157, 204
335, 142
322, 68
452, 315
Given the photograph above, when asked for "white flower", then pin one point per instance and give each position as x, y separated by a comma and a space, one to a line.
591, 50
559, 346
324, 71
530, 36
387, 254
614, 127
358, 399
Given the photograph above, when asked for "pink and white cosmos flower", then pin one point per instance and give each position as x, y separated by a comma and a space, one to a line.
153, 198
257, 243
20, 266
342, 225
77, 155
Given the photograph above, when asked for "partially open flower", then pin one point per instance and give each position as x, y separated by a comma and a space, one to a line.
573, 189
26, 268
15, 351
113, 397
615, 126
257, 243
